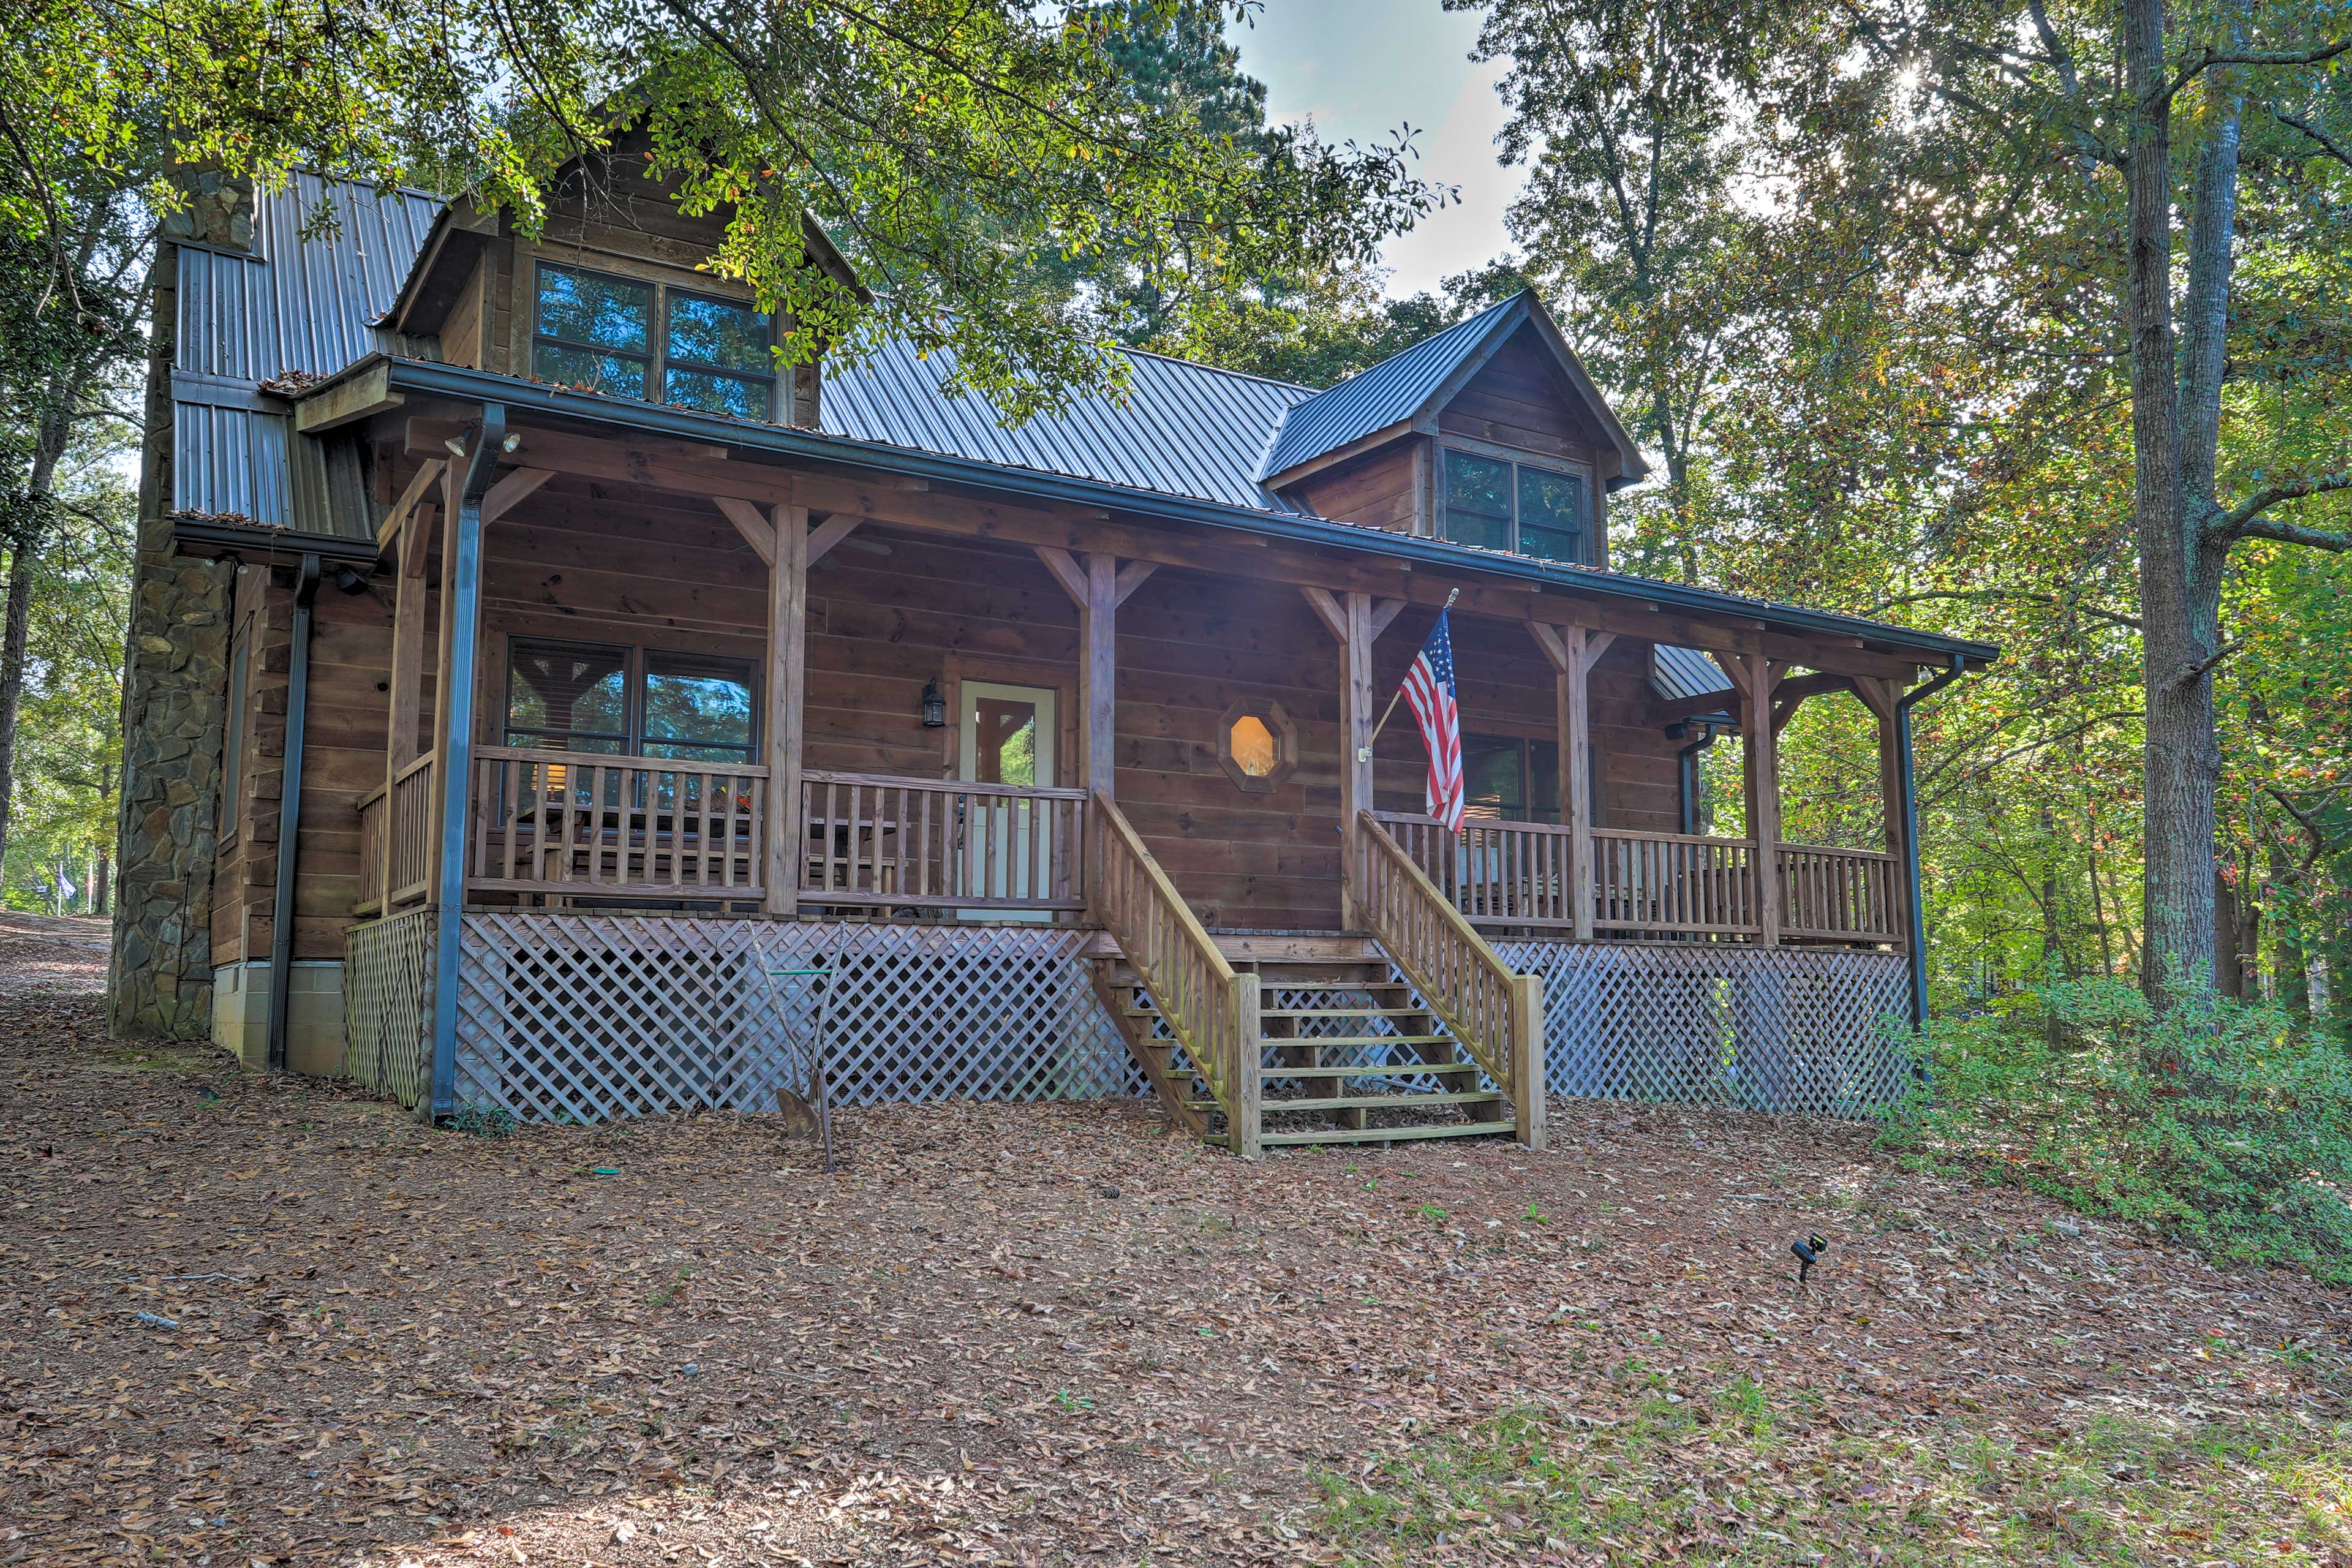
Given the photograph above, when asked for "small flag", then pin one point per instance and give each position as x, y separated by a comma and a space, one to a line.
1429, 688
65, 887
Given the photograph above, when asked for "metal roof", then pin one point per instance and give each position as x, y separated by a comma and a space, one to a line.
1676, 672
295, 304
1391, 392
1182, 428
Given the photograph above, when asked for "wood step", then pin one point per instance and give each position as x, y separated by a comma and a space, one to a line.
1384, 1134
1393, 1069
1341, 1012
1287, 1041
1381, 1101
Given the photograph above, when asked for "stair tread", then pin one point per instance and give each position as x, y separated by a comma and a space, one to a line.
1396, 1070
1293, 1040
1380, 1102
1341, 1012
1387, 1134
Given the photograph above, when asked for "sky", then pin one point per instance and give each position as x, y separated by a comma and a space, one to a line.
1363, 67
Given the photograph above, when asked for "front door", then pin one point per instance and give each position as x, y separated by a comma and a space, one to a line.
1006, 736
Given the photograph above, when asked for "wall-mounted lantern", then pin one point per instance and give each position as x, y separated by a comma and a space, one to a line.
935, 706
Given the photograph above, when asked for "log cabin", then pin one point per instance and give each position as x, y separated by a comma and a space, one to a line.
533, 680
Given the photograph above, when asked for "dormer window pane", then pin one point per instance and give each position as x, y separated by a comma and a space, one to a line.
1477, 500
711, 337
1551, 514
593, 330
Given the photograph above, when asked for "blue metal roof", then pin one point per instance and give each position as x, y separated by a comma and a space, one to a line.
1183, 429
292, 305
1686, 672
1391, 392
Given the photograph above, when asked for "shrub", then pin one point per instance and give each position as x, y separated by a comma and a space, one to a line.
2227, 1126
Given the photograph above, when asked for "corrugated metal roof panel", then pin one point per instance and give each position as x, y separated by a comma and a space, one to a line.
1183, 429
1391, 391
1676, 672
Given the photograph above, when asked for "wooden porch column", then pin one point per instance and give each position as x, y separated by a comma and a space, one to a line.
1758, 678
406, 703
787, 702
1099, 672
1355, 623
1572, 652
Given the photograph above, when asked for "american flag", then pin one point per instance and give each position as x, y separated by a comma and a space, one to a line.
1429, 688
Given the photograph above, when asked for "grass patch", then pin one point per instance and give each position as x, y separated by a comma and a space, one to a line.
1737, 1474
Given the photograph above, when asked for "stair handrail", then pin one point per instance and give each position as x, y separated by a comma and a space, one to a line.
1496, 1013
1212, 1010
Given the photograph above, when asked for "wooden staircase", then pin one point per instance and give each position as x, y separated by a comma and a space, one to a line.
1346, 1054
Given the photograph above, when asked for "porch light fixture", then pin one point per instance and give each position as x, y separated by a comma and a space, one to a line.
935, 706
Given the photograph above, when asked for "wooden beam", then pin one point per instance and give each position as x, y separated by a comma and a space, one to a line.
355, 397
1596, 643
1133, 575
1328, 611
1385, 612
787, 697
1098, 671
1668, 710
1763, 782
1067, 572
1555, 649
1573, 686
753, 525
416, 541
509, 490
1735, 670
830, 533
420, 484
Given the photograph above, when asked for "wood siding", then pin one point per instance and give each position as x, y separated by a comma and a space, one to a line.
1517, 399
1380, 490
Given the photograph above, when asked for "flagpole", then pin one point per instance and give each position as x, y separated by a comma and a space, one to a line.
1364, 751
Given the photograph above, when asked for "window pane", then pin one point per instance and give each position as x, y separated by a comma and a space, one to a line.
717, 394
1551, 514
1253, 746
1493, 778
698, 708
607, 374
1551, 543
1477, 500
595, 308
717, 333
1543, 782
561, 694
1004, 741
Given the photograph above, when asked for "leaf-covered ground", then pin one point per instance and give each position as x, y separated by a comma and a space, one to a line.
249, 1319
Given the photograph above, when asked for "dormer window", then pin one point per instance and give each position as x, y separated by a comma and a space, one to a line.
1501, 504
627, 336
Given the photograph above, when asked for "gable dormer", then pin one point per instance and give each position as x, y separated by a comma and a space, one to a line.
611, 297
1488, 434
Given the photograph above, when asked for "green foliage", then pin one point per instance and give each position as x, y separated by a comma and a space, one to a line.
2228, 1126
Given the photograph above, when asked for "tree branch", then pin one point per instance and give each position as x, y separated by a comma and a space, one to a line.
2209, 56
2245, 520
1979, 596
2334, 148
2190, 672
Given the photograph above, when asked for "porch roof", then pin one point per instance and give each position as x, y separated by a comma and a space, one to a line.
427, 379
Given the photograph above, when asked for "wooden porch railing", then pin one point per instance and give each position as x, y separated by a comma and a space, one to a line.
1210, 1010
1507, 873
1852, 894
396, 840
375, 816
1673, 883
1496, 1013
575, 823
942, 842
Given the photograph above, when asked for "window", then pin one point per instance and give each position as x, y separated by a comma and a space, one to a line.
1502, 505
615, 701
599, 330
1506, 779
1256, 745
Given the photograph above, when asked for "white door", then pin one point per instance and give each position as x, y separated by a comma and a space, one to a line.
1005, 736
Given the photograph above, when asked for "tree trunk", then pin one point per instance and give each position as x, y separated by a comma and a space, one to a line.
24, 552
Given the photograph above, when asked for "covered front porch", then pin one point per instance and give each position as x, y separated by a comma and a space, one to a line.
663, 712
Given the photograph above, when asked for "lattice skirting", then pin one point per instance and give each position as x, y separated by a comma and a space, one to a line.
388, 1006
1791, 1029
583, 1017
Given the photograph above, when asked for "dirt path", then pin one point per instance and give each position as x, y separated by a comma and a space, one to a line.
253, 1320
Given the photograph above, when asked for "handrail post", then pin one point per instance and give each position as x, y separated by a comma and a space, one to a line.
1242, 1119
1527, 1085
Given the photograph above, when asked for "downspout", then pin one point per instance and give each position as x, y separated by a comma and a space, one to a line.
1686, 770
290, 813
1911, 834
455, 766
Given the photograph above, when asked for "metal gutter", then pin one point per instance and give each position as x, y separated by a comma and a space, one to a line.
455, 760
432, 380
290, 812
261, 541
1911, 834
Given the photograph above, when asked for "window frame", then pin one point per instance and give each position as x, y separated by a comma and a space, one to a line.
1518, 459
656, 355
636, 662
1278, 727
1531, 810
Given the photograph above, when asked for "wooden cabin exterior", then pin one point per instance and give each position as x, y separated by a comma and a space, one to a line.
583, 711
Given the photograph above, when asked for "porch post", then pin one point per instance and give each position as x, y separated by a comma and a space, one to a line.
407, 670
1356, 741
787, 695
1763, 747
1099, 672
1574, 690
461, 604
1879, 696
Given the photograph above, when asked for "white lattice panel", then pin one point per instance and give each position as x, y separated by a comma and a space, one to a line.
588, 1016
387, 1005
1788, 1029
